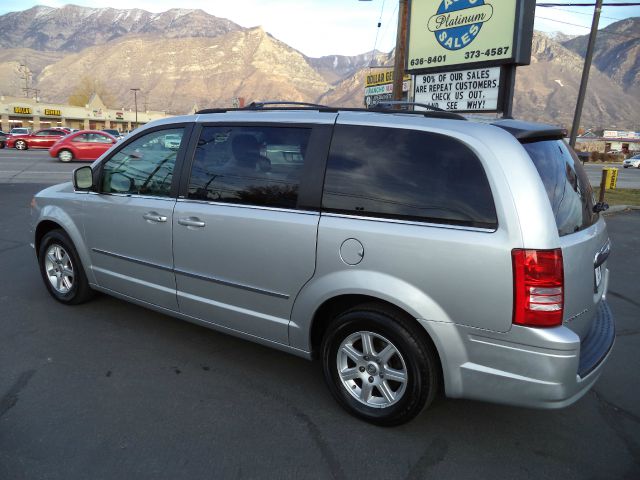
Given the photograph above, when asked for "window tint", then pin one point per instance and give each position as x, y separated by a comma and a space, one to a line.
409, 174
44, 133
249, 165
145, 166
567, 185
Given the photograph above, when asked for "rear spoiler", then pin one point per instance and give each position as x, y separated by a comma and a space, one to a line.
527, 132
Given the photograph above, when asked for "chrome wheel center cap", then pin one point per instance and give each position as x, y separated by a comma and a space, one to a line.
371, 369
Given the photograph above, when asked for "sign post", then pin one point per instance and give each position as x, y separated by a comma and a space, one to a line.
473, 46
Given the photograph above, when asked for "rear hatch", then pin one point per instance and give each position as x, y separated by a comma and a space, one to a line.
583, 234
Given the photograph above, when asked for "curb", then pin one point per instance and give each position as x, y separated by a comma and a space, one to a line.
619, 208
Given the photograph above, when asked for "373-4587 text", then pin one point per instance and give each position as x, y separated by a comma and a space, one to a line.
489, 52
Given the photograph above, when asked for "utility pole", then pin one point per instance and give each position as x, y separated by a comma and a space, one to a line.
401, 47
135, 101
26, 76
585, 72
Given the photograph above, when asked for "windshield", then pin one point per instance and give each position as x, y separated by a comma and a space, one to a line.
567, 185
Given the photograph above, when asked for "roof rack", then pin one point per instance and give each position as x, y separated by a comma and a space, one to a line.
430, 108
384, 107
261, 105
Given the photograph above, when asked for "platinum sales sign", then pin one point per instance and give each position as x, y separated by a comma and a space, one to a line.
475, 90
444, 34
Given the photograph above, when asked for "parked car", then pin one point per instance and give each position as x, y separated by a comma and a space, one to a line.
114, 133
82, 145
40, 139
408, 251
20, 131
3, 138
632, 162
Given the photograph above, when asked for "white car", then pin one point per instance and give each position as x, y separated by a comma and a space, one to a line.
632, 162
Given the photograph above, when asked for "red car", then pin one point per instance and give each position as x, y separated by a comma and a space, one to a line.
82, 145
40, 139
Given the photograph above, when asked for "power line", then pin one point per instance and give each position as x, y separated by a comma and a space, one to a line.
606, 4
589, 14
600, 32
375, 42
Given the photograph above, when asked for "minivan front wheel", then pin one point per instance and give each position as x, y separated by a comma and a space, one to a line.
377, 366
61, 269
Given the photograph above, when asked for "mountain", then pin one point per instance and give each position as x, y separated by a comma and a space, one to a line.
335, 68
175, 73
11, 76
547, 90
617, 52
73, 28
184, 57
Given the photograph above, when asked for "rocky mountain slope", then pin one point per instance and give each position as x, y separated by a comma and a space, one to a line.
335, 68
11, 76
617, 52
184, 57
74, 28
548, 89
176, 73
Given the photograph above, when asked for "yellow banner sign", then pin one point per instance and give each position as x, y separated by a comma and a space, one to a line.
443, 33
52, 113
22, 110
381, 77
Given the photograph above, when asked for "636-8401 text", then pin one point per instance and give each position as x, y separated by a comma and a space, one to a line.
489, 52
414, 62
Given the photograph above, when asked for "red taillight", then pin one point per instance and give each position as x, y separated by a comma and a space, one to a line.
538, 287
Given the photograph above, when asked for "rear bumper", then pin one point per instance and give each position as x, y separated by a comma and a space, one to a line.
541, 368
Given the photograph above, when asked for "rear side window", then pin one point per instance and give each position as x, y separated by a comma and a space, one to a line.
249, 165
406, 174
566, 183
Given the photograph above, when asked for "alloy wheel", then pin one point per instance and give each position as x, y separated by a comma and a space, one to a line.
59, 269
372, 369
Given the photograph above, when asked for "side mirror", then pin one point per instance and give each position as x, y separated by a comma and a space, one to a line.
83, 178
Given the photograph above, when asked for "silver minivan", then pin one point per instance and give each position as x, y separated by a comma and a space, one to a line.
411, 252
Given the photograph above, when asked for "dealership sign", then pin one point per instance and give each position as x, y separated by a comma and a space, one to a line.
462, 91
447, 33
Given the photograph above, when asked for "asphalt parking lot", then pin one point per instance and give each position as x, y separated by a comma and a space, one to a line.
110, 390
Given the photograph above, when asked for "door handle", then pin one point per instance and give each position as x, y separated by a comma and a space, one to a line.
191, 222
154, 217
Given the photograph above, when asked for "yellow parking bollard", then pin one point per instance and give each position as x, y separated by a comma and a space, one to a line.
611, 177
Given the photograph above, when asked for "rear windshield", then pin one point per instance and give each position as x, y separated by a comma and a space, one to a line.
567, 185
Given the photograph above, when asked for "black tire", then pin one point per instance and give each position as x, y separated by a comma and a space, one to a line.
20, 145
79, 290
417, 358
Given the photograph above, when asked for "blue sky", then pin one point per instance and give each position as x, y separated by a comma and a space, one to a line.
324, 27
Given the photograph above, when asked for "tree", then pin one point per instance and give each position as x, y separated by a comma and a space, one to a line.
86, 87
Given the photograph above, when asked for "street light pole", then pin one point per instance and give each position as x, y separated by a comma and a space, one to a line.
135, 101
585, 73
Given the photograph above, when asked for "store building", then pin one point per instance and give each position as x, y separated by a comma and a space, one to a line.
611, 141
26, 112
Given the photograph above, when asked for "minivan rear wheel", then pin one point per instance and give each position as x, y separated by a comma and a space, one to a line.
377, 366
